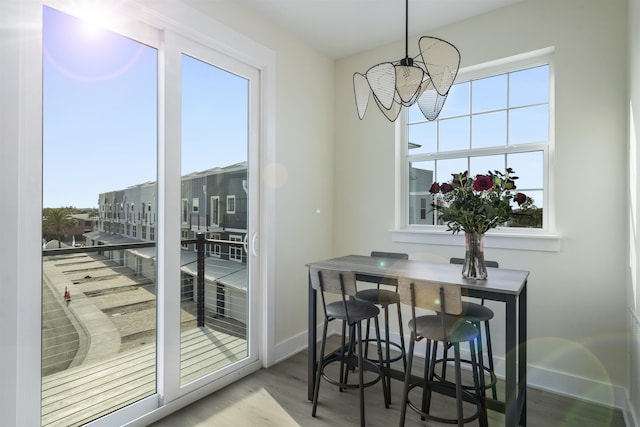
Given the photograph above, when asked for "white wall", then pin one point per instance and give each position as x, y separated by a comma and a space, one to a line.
633, 285
577, 320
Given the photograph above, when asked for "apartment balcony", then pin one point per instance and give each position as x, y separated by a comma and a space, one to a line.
99, 346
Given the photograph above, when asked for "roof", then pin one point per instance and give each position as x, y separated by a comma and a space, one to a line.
228, 273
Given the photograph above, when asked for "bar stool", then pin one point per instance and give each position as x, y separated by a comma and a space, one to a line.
383, 298
448, 328
351, 312
476, 314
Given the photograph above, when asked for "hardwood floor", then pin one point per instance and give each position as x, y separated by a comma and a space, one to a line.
278, 397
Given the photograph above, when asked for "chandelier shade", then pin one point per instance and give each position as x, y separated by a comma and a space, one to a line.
425, 79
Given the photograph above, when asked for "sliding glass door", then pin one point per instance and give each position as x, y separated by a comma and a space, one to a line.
99, 215
150, 209
215, 167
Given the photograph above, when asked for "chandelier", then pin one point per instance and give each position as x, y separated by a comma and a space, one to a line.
424, 79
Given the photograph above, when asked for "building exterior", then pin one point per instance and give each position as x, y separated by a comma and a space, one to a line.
214, 202
420, 200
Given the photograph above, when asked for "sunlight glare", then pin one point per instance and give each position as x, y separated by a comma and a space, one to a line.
96, 18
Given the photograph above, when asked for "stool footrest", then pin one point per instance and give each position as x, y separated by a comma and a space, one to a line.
392, 344
493, 379
351, 363
446, 389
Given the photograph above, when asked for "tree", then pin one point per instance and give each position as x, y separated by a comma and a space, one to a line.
56, 222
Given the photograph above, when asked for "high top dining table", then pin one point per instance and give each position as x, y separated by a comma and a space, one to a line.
507, 286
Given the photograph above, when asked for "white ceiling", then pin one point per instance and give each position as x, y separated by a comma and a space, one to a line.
341, 28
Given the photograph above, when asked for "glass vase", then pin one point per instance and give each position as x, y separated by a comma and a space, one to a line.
474, 266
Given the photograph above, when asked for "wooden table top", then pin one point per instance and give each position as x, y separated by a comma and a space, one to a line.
499, 280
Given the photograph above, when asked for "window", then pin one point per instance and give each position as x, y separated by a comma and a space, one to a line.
235, 251
185, 211
215, 211
185, 235
195, 205
231, 204
215, 248
496, 116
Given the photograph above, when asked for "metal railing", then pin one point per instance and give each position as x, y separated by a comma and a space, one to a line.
200, 243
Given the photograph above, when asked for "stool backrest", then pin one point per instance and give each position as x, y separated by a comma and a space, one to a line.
333, 281
396, 255
430, 295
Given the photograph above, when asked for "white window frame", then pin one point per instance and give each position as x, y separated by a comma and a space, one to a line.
195, 205
215, 249
234, 250
231, 203
184, 235
544, 239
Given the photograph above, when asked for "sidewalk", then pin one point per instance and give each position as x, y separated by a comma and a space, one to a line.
98, 336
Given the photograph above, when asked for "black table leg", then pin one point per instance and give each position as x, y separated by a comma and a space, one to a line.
311, 349
511, 356
522, 354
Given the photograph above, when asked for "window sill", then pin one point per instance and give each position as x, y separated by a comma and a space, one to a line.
500, 239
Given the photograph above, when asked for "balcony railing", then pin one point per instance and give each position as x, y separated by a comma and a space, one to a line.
99, 345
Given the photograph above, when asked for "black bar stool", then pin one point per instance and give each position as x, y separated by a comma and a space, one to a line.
476, 314
448, 328
351, 312
383, 298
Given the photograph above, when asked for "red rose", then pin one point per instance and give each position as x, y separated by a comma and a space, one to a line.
482, 183
446, 187
520, 198
435, 188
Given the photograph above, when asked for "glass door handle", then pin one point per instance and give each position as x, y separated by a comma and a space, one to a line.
253, 244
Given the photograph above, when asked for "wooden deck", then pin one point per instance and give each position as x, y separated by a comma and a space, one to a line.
81, 394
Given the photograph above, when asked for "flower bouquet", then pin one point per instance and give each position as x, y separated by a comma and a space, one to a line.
476, 205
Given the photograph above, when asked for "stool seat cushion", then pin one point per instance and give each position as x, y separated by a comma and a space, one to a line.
474, 312
378, 296
430, 327
358, 310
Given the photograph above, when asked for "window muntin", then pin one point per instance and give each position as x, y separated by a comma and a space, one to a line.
489, 122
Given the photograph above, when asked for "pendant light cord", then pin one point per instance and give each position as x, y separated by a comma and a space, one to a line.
406, 29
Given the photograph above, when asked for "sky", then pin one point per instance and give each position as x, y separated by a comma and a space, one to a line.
100, 95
